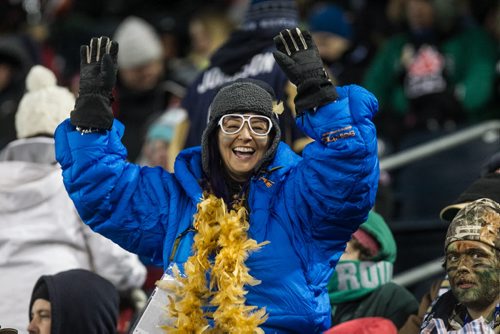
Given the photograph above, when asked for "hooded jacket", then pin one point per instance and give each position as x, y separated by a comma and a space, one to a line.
41, 233
81, 302
307, 207
370, 292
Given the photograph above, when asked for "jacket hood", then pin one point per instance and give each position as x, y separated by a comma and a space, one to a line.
24, 184
28, 174
81, 302
376, 226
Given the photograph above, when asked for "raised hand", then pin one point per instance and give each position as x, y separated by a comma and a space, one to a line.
97, 79
298, 57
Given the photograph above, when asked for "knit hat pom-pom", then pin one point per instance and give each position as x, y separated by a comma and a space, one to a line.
39, 78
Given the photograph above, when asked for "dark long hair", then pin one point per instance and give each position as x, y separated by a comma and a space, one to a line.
219, 182
216, 182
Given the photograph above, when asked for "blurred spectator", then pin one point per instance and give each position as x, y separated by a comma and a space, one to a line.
246, 54
436, 75
15, 63
334, 35
369, 325
141, 70
348, 33
161, 133
171, 34
174, 35
40, 231
361, 286
75, 301
472, 262
208, 30
166, 133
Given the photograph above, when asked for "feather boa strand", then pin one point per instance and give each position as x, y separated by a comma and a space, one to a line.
224, 234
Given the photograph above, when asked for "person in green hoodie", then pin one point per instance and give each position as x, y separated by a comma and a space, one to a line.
437, 75
361, 285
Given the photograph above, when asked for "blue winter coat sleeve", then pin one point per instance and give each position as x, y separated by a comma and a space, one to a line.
110, 193
333, 188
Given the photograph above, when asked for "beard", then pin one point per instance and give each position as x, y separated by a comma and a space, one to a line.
484, 291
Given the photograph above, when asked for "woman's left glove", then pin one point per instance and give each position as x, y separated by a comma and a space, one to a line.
299, 58
97, 79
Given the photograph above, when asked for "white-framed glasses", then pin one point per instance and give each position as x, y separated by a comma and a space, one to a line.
259, 125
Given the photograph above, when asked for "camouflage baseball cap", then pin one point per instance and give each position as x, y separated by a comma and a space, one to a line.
477, 221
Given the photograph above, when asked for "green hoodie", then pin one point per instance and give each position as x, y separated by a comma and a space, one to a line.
376, 226
355, 279
364, 288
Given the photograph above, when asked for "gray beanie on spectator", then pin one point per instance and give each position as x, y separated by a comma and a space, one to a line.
240, 96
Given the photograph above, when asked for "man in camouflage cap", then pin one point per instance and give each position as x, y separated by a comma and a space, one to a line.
472, 249
478, 222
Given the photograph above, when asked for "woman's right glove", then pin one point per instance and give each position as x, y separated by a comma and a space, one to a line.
97, 79
299, 58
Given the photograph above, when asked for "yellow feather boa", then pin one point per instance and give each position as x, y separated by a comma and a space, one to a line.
224, 234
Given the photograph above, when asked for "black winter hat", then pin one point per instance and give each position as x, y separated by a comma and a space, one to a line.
82, 302
274, 15
242, 95
40, 292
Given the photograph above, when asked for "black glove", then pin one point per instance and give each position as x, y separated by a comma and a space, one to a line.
299, 58
97, 78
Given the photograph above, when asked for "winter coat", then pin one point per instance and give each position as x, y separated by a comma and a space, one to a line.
41, 233
81, 302
307, 207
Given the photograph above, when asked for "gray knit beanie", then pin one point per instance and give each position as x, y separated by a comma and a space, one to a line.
242, 95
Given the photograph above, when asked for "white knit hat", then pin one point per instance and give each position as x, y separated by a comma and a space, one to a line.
44, 106
138, 42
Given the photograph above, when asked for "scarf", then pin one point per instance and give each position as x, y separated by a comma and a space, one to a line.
355, 279
216, 274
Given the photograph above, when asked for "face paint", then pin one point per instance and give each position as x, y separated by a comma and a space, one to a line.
474, 273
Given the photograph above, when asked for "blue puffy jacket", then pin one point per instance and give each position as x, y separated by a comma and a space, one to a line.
307, 208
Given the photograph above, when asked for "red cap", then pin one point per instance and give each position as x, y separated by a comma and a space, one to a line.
367, 241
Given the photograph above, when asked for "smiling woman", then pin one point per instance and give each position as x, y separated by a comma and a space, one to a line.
242, 135
242, 209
